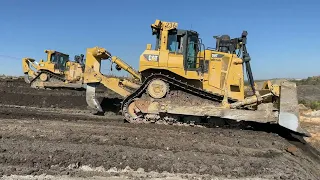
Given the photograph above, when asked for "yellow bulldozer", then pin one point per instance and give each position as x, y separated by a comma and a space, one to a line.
181, 82
57, 71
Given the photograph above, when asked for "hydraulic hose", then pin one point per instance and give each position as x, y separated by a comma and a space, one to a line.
246, 58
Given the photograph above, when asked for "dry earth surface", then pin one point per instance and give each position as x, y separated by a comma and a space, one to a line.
49, 134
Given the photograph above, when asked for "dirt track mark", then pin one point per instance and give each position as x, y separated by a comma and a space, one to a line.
47, 143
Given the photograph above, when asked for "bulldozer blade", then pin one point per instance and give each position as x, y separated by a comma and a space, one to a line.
289, 108
91, 99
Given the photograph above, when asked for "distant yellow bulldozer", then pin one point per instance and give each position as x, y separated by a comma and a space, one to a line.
183, 83
57, 71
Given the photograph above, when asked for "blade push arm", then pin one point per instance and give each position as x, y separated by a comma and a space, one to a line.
93, 76
26, 62
122, 65
92, 72
26, 67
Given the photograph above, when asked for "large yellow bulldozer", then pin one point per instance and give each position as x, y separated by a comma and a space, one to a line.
183, 82
57, 71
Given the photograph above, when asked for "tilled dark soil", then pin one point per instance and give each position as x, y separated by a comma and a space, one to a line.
59, 136
37, 147
17, 92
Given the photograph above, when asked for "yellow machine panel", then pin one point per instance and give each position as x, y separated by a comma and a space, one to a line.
223, 74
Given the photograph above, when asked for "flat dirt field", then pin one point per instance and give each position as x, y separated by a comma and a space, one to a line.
49, 134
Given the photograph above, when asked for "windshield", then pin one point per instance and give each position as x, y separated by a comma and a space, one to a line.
60, 60
172, 42
158, 41
63, 59
192, 51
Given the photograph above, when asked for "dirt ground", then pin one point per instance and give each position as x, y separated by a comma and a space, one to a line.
49, 134
311, 121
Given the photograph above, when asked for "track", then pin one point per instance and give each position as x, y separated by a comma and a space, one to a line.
50, 132
173, 82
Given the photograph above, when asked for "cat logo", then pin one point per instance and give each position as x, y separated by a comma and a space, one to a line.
216, 55
152, 57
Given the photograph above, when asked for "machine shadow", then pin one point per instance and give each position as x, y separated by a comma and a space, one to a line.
111, 105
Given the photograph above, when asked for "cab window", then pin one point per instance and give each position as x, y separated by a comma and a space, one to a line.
53, 58
192, 52
158, 42
175, 43
172, 42
62, 60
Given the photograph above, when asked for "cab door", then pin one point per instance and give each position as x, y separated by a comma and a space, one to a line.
60, 62
175, 48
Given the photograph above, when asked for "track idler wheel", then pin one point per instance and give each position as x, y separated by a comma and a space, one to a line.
44, 77
134, 114
132, 110
157, 88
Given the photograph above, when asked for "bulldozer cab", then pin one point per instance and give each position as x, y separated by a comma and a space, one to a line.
177, 48
185, 43
58, 59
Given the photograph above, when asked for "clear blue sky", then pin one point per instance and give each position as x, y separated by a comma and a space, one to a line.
283, 40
